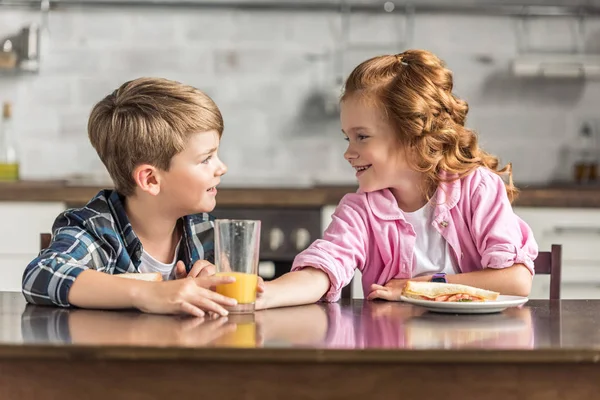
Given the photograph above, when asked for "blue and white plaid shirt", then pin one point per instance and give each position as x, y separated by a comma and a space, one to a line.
99, 236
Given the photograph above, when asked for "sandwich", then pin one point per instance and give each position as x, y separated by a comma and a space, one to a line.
438, 291
143, 276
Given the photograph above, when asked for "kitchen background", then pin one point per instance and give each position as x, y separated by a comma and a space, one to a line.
275, 75
530, 71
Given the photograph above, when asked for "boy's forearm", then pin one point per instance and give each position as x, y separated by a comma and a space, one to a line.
94, 289
305, 286
514, 280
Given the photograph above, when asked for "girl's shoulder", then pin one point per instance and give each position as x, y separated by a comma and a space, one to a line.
380, 203
481, 178
356, 201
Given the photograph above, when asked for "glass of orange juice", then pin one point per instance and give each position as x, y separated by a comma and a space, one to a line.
237, 247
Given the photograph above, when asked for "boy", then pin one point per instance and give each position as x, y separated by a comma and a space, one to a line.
158, 140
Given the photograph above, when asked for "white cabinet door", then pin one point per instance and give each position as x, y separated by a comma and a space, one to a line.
11, 271
22, 223
578, 231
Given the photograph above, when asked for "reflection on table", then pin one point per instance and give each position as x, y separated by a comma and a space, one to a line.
358, 325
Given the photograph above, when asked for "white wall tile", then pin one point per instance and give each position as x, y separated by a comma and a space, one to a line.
261, 68
318, 32
53, 92
103, 28
447, 35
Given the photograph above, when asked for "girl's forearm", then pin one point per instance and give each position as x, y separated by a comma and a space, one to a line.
515, 280
305, 286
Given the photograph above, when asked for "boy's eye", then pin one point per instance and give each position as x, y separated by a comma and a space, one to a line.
346, 138
361, 137
206, 160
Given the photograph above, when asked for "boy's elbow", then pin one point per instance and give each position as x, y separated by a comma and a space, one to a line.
35, 284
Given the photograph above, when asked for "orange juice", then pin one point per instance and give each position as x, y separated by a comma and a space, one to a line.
243, 289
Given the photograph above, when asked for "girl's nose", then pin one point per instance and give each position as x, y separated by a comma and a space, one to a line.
350, 154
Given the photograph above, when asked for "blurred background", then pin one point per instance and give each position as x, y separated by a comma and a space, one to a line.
528, 69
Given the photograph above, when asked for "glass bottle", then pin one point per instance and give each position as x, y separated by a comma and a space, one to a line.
9, 160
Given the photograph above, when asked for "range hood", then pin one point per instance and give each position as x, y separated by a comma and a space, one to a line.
557, 65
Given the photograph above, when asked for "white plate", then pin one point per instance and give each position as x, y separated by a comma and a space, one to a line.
476, 307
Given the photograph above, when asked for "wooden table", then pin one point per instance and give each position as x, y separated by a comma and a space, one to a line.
368, 350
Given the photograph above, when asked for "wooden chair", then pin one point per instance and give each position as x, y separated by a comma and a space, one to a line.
550, 263
45, 239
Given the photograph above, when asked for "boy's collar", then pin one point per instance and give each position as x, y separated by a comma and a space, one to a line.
130, 240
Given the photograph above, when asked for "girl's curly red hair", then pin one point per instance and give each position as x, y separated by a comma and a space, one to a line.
413, 89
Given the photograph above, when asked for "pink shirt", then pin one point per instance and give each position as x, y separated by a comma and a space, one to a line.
368, 231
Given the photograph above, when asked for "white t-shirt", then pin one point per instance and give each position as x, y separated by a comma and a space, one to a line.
150, 264
432, 252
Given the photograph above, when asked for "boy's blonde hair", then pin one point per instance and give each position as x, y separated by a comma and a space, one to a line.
413, 90
147, 121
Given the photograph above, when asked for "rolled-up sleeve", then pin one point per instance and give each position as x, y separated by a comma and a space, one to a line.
342, 249
502, 238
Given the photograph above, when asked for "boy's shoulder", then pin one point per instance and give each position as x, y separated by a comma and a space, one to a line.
102, 212
200, 218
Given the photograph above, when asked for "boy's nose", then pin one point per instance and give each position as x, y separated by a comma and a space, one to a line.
222, 170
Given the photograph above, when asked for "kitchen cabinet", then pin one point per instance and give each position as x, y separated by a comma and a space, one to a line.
22, 223
576, 229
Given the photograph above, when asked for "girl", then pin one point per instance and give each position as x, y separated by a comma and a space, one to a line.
431, 203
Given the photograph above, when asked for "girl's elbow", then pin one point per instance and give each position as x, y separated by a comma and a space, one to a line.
522, 281
523, 288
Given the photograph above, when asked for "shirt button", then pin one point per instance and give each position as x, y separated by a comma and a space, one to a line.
444, 224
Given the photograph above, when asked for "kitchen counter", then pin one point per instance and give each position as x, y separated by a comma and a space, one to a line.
544, 350
74, 196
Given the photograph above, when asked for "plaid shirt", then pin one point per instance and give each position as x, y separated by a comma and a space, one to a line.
99, 236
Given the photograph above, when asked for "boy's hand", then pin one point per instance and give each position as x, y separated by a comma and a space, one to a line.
185, 296
200, 268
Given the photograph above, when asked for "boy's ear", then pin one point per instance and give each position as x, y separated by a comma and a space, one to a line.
147, 178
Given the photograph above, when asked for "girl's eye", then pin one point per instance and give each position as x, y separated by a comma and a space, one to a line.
207, 160
362, 137
346, 138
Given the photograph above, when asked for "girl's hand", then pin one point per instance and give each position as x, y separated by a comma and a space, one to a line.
391, 291
260, 288
261, 291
